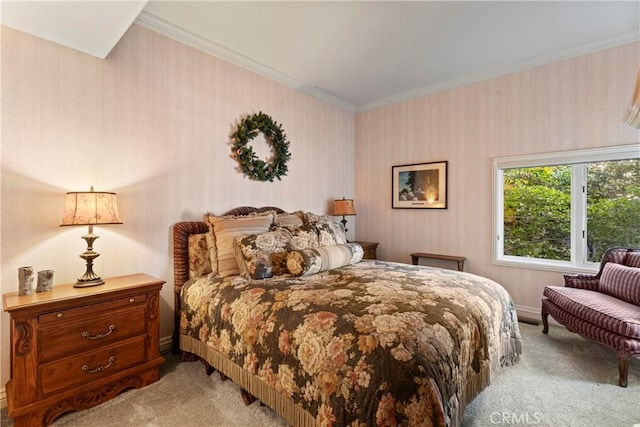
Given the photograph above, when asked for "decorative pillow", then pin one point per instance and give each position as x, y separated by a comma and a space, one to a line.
304, 236
211, 247
254, 251
199, 261
279, 263
632, 259
310, 217
293, 219
310, 261
621, 281
329, 232
222, 231
581, 281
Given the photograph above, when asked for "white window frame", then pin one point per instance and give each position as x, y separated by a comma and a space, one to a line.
576, 158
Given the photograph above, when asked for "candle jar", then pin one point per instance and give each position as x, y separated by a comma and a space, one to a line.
25, 280
45, 280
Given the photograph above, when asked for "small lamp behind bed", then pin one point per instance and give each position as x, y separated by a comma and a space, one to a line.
344, 207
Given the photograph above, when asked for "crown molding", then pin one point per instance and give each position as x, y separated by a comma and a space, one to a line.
583, 49
161, 26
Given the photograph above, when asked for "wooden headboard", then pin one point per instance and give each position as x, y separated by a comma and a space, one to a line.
181, 233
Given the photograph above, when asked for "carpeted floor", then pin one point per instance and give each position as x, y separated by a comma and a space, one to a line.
560, 380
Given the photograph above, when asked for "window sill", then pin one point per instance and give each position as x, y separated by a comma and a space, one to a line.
555, 266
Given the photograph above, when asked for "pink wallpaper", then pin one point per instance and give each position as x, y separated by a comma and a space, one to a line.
151, 122
572, 104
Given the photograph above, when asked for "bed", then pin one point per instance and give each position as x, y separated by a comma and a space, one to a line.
326, 338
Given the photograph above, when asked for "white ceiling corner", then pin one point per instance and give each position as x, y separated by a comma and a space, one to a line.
367, 54
357, 55
92, 27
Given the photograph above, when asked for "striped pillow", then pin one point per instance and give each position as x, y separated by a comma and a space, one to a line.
294, 219
632, 259
311, 261
621, 282
222, 231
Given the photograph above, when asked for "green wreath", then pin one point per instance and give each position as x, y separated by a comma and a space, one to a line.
248, 128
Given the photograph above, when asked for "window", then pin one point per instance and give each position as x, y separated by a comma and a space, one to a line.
561, 211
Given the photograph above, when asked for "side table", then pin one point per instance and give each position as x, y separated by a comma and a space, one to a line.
74, 348
370, 249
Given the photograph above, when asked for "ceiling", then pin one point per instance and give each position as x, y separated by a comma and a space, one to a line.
356, 54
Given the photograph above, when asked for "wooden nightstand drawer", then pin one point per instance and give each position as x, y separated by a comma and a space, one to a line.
93, 365
81, 334
89, 309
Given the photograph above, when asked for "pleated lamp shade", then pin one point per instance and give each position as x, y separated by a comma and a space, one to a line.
90, 208
344, 207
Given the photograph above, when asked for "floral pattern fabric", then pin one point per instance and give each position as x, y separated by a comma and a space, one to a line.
329, 232
199, 261
254, 252
311, 261
372, 343
303, 236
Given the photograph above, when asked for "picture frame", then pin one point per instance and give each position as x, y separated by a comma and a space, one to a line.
419, 186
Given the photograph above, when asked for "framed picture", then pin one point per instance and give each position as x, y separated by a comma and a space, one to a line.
419, 186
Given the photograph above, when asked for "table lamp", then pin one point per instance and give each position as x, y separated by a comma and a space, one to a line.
90, 208
344, 207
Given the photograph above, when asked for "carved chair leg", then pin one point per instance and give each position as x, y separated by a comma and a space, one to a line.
545, 322
623, 368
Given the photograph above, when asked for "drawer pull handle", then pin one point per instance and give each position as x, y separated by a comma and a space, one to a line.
60, 315
86, 368
132, 300
88, 336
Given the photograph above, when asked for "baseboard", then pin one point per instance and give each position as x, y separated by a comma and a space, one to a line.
532, 315
528, 314
165, 344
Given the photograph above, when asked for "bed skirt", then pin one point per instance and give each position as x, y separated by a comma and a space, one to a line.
294, 414
298, 416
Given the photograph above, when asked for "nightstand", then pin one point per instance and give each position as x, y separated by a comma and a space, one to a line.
370, 249
73, 348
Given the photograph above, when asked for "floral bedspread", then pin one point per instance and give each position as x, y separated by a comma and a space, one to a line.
374, 343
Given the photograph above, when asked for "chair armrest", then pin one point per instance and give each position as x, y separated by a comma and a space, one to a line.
582, 281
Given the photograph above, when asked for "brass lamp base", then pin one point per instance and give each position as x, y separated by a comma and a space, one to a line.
89, 278
88, 283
